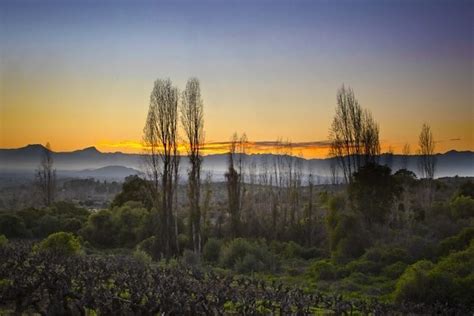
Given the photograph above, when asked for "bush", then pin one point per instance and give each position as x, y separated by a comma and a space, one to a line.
323, 270
149, 246
364, 266
142, 256
190, 258
456, 243
100, 230
211, 250
233, 256
347, 236
414, 284
12, 226
462, 207
450, 281
183, 241
60, 243
395, 270
249, 263
3, 240
47, 225
292, 250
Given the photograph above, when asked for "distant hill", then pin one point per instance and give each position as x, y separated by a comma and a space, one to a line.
117, 173
90, 162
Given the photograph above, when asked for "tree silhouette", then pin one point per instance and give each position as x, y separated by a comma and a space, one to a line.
46, 176
234, 181
354, 134
193, 124
160, 138
427, 159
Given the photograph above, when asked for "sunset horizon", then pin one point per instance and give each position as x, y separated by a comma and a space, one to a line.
236, 157
81, 74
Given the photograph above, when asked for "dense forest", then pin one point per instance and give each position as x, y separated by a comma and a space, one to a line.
267, 240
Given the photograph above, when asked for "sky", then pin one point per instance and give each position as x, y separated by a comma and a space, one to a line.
80, 73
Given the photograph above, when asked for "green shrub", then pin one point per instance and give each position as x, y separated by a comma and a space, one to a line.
249, 263
233, 256
450, 281
467, 189
72, 225
323, 270
364, 266
149, 246
183, 241
100, 229
190, 258
60, 243
414, 284
292, 250
386, 254
211, 250
12, 226
347, 235
456, 243
462, 207
394, 270
142, 256
3, 240
47, 225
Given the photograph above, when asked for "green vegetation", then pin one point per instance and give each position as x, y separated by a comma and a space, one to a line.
373, 239
387, 252
61, 243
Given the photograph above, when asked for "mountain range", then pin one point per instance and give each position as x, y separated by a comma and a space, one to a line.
91, 163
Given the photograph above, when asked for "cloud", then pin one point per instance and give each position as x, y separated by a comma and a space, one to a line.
305, 149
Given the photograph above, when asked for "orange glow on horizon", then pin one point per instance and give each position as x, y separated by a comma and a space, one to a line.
308, 150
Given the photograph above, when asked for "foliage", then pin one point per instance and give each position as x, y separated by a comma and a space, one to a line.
457, 242
39, 223
212, 250
60, 243
323, 270
190, 258
142, 256
122, 226
12, 226
100, 230
247, 256
467, 189
149, 245
450, 281
3, 240
373, 191
120, 285
462, 207
347, 236
136, 189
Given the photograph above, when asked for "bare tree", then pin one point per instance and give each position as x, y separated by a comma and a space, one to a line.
354, 134
234, 180
193, 124
370, 139
427, 159
160, 137
46, 176
405, 156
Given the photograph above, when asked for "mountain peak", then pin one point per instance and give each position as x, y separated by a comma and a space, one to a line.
33, 146
91, 149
